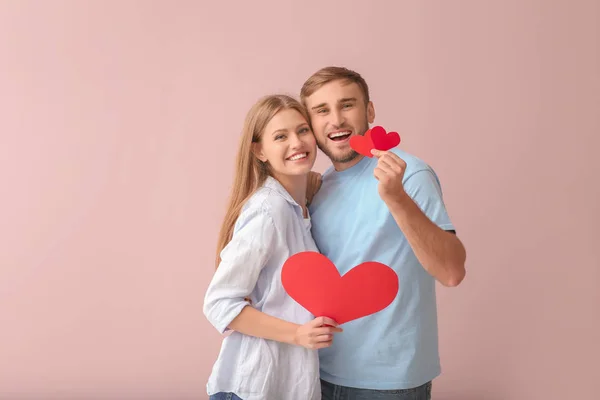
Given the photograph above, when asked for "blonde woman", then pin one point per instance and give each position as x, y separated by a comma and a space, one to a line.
271, 353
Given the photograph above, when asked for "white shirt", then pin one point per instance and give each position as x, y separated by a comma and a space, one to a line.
269, 230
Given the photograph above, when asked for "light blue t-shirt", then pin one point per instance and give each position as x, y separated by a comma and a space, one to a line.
396, 348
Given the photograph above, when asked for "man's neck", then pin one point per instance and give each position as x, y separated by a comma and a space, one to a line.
339, 167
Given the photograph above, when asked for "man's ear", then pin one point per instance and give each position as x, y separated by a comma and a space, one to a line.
257, 150
370, 112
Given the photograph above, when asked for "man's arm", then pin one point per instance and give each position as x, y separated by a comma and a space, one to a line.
313, 184
440, 252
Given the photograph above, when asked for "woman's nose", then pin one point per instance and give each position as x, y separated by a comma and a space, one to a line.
295, 140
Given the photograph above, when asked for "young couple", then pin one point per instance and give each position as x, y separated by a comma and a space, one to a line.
387, 208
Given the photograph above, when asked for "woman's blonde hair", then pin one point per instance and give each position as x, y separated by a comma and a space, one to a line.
250, 172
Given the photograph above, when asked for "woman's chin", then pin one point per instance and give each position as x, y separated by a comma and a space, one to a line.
295, 172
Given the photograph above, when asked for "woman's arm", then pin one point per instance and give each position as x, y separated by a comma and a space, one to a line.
242, 260
312, 335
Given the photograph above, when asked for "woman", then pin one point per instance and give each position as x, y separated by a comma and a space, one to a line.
272, 350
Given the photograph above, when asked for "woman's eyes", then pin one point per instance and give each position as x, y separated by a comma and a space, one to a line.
301, 131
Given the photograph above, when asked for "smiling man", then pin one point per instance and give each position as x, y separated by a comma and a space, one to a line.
389, 209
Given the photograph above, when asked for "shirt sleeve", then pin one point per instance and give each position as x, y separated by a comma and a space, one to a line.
242, 260
424, 188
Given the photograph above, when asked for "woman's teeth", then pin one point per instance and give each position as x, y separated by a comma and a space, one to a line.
298, 157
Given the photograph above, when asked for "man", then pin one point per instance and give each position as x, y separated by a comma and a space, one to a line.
389, 209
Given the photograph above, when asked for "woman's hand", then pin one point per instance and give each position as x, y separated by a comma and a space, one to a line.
317, 333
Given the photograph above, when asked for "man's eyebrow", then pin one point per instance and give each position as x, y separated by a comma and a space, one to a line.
347, 99
318, 106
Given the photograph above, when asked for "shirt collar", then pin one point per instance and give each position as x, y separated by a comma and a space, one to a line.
274, 184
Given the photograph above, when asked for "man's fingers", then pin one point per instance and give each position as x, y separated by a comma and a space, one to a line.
392, 158
377, 153
392, 164
380, 173
385, 167
313, 185
396, 158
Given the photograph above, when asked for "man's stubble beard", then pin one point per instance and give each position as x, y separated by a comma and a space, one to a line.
345, 158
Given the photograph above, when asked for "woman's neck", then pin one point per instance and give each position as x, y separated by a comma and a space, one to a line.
296, 187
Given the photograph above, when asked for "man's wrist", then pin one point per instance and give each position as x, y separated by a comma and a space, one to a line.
400, 202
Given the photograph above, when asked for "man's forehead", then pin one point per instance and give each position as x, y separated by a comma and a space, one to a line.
333, 92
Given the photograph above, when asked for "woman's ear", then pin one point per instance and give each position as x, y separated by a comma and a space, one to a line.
257, 150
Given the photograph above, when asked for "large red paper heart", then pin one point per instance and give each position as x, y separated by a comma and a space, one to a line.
313, 281
362, 144
382, 140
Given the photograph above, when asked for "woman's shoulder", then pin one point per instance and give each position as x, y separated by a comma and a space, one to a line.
269, 201
272, 202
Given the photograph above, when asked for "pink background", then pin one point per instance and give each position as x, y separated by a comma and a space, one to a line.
118, 125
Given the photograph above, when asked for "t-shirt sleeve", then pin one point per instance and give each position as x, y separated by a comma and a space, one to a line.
242, 260
424, 188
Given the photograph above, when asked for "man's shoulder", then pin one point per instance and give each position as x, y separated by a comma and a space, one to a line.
413, 162
328, 174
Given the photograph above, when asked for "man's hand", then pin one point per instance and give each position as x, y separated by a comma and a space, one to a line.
440, 253
313, 185
390, 172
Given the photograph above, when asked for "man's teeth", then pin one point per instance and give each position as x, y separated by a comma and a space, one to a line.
298, 157
338, 134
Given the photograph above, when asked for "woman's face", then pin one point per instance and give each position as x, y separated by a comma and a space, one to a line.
288, 144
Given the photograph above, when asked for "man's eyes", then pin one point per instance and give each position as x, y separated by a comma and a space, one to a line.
344, 107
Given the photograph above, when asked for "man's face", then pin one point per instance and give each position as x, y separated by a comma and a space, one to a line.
338, 111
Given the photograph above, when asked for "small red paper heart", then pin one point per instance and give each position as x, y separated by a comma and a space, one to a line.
382, 140
362, 144
313, 281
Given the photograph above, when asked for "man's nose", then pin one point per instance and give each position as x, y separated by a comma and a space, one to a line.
337, 118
